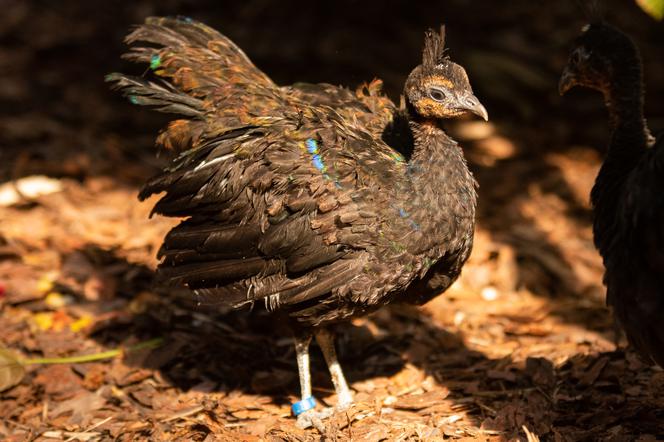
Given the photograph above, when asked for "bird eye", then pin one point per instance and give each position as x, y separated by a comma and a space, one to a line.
580, 55
437, 94
575, 58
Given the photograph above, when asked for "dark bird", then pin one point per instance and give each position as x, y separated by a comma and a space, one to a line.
291, 197
628, 195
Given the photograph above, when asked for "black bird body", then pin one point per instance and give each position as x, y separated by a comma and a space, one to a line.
629, 233
291, 196
628, 195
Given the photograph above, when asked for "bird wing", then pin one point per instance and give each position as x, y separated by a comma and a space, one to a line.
275, 212
636, 289
368, 106
213, 73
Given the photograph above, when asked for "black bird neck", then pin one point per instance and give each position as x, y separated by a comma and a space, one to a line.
629, 141
624, 100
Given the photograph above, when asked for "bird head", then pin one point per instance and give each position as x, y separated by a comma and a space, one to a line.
599, 57
439, 88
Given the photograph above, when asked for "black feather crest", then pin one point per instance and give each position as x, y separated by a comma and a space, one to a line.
592, 9
434, 48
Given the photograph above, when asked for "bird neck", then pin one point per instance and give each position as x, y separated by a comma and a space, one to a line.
430, 142
624, 100
438, 169
432, 145
629, 137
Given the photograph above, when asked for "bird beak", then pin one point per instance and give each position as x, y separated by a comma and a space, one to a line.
567, 81
471, 104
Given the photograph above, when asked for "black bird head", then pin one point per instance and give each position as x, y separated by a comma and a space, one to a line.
602, 56
439, 88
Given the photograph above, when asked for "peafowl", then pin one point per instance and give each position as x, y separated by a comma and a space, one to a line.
293, 197
628, 195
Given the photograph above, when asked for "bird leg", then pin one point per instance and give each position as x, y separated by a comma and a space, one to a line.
302, 355
304, 410
325, 340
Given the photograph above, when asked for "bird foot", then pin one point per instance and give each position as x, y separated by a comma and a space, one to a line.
313, 418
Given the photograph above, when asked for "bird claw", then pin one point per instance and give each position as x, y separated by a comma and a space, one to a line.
313, 418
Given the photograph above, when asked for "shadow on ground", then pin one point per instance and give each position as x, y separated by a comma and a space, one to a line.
401, 357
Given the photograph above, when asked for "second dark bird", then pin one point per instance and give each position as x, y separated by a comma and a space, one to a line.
291, 196
628, 195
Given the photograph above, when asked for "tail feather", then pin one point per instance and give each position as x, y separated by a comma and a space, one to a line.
206, 78
179, 32
211, 273
149, 93
280, 291
196, 57
211, 239
327, 278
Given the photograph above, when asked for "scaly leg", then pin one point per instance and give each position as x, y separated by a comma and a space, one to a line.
304, 409
325, 340
302, 355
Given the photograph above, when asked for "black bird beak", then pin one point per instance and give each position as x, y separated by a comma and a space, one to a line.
473, 105
567, 81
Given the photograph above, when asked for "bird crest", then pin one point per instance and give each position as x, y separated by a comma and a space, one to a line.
592, 9
434, 48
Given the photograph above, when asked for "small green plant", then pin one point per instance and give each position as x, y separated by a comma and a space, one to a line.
12, 367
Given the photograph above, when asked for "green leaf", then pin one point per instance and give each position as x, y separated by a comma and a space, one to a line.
655, 8
11, 370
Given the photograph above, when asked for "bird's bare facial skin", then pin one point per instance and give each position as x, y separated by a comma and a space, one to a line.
438, 98
435, 109
580, 71
443, 98
438, 94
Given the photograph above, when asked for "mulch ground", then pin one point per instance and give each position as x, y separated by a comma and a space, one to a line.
520, 348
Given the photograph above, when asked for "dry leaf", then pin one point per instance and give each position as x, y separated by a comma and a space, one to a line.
420, 401
11, 370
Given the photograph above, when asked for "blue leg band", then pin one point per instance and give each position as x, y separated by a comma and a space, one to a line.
305, 404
